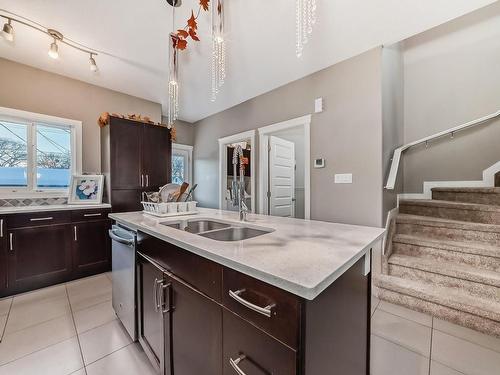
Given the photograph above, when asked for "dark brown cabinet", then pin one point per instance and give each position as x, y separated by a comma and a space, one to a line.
38, 256
198, 317
91, 247
3, 257
135, 157
39, 249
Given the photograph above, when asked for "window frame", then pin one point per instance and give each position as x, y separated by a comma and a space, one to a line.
186, 150
31, 119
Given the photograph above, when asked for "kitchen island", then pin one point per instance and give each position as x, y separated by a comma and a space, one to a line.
292, 298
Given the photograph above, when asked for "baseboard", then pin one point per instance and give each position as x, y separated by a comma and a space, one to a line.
487, 181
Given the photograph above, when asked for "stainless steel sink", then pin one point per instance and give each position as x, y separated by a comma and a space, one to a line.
234, 234
197, 226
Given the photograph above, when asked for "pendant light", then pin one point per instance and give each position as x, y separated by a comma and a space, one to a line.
305, 20
54, 48
93, 65
218, 47
8, 31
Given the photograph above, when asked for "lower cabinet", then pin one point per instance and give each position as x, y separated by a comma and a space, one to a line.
91, 247
38, 256
3, 256
250, 351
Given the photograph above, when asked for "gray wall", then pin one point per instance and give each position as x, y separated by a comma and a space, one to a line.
34, 90
452, 76
185, 132
392, 117
348, 134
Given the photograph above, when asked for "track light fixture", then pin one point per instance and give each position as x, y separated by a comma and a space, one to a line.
8, 31
93, 65
8, 34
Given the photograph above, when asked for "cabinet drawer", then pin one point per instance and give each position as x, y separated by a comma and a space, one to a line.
272, 309
92, 214
34, 219
201, 273
252, 352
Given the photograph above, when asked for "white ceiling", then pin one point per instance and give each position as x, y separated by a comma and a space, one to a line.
260, 33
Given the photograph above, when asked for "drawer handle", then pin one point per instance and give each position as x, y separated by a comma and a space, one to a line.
91, 215
266, 311
235, 362
42, 218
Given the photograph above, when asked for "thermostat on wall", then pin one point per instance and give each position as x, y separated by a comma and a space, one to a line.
319, 163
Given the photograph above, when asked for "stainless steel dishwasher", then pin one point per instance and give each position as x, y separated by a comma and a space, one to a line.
124, 241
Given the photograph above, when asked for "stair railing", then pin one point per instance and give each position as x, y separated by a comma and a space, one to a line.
396, 158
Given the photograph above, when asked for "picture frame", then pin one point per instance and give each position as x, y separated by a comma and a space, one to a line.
86, 189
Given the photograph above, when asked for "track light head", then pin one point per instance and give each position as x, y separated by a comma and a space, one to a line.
8, 31
54, 50
93, 64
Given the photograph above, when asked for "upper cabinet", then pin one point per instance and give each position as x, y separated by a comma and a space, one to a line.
135, 157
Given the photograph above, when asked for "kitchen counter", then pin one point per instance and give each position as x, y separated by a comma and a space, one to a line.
51, 207
303, 257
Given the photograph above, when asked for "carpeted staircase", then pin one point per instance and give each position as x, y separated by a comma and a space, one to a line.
442, 257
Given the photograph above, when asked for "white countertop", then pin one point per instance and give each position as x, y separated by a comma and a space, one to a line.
51, 207
301, 256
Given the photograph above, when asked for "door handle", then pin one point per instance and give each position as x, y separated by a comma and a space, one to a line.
142, 180
266, 311
11, 240
75, 233
1, 227
147, 180
165, 303
235, 364
156, 297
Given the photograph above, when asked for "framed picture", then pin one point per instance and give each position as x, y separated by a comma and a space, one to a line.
86, 189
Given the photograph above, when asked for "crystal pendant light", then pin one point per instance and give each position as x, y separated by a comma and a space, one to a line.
173, 85
218, 47
305, 20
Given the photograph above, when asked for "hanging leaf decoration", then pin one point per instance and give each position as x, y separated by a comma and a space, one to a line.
204, 4
190, 30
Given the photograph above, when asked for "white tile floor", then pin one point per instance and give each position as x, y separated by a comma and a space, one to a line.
72, 329
411, 343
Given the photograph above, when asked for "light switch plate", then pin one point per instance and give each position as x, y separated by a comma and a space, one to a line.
319, 163
345, 178
318, 105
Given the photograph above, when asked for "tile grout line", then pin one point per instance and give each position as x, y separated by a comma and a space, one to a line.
400, 345
467, 340
405, 317
107, 355
7, 319
430, 346
76, 330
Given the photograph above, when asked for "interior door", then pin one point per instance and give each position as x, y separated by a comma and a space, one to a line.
196, 332
281, 177
154, 318
156, 151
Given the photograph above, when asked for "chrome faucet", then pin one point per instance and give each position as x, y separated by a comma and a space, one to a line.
238, 187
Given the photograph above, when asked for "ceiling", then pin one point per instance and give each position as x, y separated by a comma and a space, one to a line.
260, 34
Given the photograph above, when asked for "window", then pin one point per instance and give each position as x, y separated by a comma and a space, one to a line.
181, 163
38, 153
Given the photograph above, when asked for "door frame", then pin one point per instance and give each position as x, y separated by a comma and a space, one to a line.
264, 133
188, 150
223, 142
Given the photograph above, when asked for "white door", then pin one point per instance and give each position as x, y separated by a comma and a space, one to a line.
281, 177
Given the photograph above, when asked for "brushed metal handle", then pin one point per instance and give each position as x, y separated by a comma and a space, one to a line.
147, 180
155, 294
235, 364
41, 218
75, 233
266, 311
11, 240
165, 305
1, 227
92, 215
142, 180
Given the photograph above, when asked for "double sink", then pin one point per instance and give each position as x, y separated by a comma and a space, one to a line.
218, 230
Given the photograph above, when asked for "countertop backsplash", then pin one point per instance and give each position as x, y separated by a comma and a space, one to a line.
24, 202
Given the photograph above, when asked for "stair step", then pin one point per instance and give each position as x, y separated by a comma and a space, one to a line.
444, 303
478, 255
478, 282
485, 195
469, 212
449, 297
445, 229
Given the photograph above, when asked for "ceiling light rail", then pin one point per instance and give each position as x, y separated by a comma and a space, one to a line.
57, 37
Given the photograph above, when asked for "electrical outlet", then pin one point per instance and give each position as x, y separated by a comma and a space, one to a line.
345, 178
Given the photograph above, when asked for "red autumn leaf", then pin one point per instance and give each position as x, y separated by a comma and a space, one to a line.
181, 44
192, 21
182, 33
204, 4
192, 34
